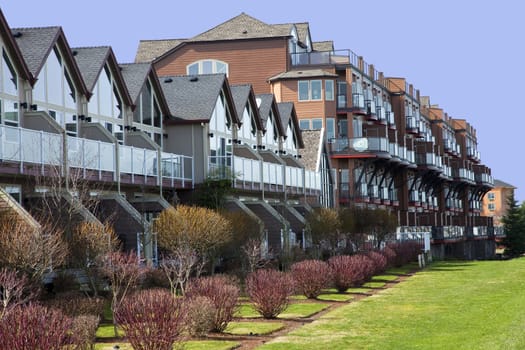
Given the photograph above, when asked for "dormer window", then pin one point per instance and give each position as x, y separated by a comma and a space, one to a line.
207, 67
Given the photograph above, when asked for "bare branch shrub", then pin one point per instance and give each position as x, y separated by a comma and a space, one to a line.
270, 291
311, 277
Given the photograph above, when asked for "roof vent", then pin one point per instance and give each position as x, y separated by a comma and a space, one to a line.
168, 80
194, 78
74, 52
245, 32
17, 34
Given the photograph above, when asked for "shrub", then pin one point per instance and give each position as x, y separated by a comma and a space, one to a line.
406, 252
34, 327
222, 292
152, 319
200, 316
15, 290
343, 272
390, 256
311, 277
270, 291
74, 304
379, 261
83, 331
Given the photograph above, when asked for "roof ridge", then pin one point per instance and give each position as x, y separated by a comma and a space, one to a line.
30, 28
92, 47
171, 39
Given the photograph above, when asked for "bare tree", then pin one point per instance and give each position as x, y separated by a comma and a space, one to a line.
324, 226
201, 229
124, 274
15, 290
31, 250
91, 242
178, 267
253, 254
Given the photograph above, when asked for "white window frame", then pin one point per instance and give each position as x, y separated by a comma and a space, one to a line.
200, 64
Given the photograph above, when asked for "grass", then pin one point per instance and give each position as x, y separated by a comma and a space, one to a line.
253, 328
295, 310
451, 305
335, 297
107, 331
189, 345
374, 284
383, 278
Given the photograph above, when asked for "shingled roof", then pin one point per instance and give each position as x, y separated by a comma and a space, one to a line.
135, 76
193, 98
287, 113
35, 45
323, 45
242, 26
149, 50
91, 61
243, 94
499, 183
13, 49
303, 74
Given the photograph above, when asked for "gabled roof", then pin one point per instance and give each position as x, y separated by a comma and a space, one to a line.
267, 104
243, 94
287, 113
499, 183
193, 98
135, 76
149, 50
91, 61
303, 30
13, 50
323, 45
242, 26
303, 74
37, 43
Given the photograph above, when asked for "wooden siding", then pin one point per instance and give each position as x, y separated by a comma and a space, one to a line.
250, 62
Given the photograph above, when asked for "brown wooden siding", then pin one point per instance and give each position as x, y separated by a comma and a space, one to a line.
251, 62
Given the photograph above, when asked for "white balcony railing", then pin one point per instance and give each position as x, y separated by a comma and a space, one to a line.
46, 149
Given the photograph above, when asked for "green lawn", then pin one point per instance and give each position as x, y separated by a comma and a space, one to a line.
253, 328
451, 305
295, 310
189, 345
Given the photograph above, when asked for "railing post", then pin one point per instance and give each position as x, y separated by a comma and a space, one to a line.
41, 152
83, 158
20, 151
99, 161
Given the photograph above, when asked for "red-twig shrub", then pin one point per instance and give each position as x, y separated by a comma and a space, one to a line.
34, 327
350, 271
390, 256
152, 319
270, 291
379, 261
343, 272
83, 331
222, 292
73, 304
406, 252
15, 290
201, 316
311, 277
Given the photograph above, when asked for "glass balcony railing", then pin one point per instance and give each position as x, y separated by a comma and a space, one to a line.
45, 149
381, 113
359, 144
390, 118
358, 101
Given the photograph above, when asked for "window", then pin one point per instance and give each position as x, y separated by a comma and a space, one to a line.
492, 207
207, 67
310, 90
342, 125
317, 124
9, 77
491, 196
330, 128
304, 124
329, 90
357, 125
303, 90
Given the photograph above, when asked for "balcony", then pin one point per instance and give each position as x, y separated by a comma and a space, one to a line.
381, 115
371, 109
484, 179
412, 125
463, 174
361, 193
360, 146
325, 57
33, 152
414, 198
473, 154
252, 174
426, 160
358, 103
390, 118
373, 193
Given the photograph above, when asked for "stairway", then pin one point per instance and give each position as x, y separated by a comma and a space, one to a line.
11, 209
273, 223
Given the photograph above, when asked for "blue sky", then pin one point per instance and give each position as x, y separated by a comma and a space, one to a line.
467, 56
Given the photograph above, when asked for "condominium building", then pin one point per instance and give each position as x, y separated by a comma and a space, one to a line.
389, 147
76, 123
496, 201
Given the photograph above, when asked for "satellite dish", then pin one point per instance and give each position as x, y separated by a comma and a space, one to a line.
360, 144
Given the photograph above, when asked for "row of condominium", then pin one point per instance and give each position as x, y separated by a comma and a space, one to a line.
298, 123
